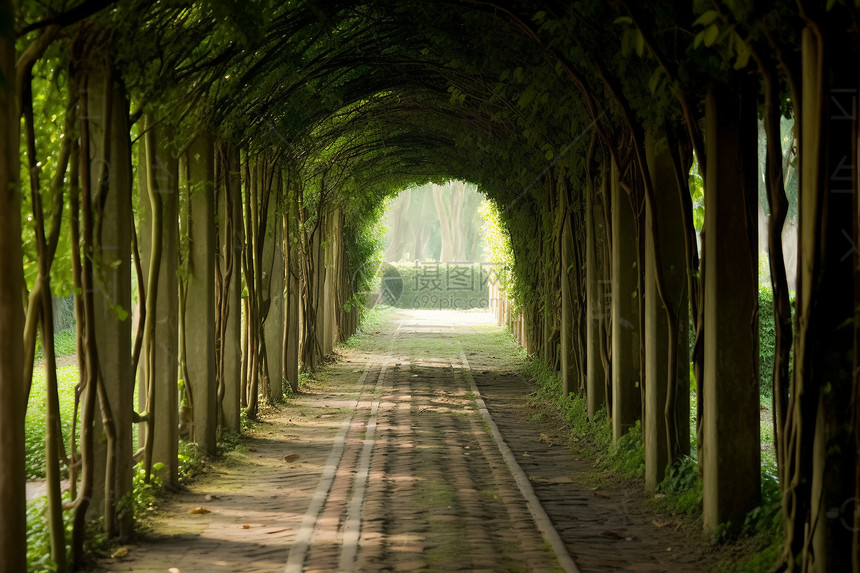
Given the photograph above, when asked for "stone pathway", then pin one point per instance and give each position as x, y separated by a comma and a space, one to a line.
387, 464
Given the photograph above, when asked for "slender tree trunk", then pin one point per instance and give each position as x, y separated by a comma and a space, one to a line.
158, 172
666, 427
151, 297
13, 530
778, 204
46, 247
626, 356
821, 474
252, 345
568, 373
90, 351
200, 326
681, 162
291, 316
595, 376
111, 162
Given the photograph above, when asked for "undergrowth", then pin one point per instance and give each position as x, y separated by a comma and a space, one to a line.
680, 493
39, 541
626, 458
34, 428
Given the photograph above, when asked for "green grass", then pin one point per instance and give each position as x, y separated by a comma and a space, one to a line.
34, 442
766, 549
680, 493
626, 458
371, 320
65, 343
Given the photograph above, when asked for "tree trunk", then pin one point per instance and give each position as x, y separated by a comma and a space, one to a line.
249, 260
778, 204
13, 530
46, 246
229, 311
626, 399
158, 174
111, 160
819, 506
595, 376
568, 371
731, 447
292, 326
667, 421
275, 269
200, 317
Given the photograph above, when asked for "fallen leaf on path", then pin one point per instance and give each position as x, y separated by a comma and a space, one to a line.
198, 511
602, 494
174, 570
545, 439
526, 454
291, 457
656, 523
246, 526
120, 552
211, 497
611, 534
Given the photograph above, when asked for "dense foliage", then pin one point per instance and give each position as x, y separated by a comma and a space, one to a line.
319, 112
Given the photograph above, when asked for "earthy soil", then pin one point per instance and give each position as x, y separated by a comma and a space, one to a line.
384, 463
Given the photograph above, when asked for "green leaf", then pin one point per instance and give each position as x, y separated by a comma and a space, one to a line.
640, 43
526, 98
121, 313
698, 39
654, 81
549, 155
624, 20
711, 35
707, 18
743, 57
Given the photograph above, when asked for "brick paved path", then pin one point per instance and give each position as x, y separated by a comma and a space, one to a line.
388, 465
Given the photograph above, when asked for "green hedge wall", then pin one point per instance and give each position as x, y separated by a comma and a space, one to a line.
436, 285
767, 339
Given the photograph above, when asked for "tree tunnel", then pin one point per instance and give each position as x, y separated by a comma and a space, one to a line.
204, 179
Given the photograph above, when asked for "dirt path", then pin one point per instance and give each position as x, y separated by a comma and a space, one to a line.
389, 464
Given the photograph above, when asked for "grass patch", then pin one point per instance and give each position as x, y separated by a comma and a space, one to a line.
754, 545
65, 343
39, 541
371, 320
762, 551
37, 412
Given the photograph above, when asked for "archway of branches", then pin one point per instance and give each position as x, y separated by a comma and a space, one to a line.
223, 165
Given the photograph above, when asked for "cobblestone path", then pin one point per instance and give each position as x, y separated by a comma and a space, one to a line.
390, 464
